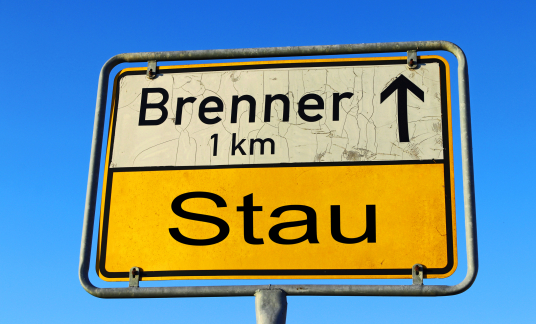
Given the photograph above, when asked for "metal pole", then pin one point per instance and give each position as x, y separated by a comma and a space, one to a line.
271, 306
310, 290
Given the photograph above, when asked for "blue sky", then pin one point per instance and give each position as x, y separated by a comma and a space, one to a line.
52, 54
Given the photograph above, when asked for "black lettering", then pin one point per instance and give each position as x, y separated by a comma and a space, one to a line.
234, 146
144, 106
248, 210
234, 107
203, 109
180, 104
401, 85
310, 222
215, 147
302, 106
268, 105
336, 100
176, 206
370, 231
261, 141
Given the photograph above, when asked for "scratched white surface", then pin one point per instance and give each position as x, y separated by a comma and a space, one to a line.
367, 130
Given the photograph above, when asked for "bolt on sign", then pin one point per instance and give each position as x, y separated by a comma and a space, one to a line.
338, 168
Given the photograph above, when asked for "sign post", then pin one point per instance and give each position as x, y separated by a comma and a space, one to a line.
271, 306
330, 168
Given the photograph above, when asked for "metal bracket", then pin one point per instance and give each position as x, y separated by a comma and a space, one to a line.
134, 277
417, 272
412, 59
290, 290
151, 69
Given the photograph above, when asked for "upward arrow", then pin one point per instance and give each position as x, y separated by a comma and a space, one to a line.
402, 84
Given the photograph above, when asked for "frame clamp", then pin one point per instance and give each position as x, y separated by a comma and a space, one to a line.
412, 59
134, 276
151, 69
417, 272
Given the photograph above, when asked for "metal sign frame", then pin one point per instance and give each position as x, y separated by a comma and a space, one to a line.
417, 289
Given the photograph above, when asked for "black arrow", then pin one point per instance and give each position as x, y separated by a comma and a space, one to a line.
402, 84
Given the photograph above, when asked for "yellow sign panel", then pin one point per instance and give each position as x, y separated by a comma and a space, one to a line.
307, 177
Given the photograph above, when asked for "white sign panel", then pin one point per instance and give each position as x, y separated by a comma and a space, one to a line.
299, 114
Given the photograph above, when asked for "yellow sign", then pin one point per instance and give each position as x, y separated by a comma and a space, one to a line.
283, 169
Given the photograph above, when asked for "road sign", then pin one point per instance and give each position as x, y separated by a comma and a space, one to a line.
336, 168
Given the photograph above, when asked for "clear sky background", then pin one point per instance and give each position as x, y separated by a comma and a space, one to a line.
53, 52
